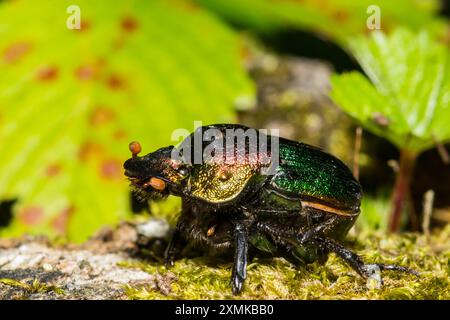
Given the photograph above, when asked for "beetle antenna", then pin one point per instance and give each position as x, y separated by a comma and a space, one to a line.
135, 148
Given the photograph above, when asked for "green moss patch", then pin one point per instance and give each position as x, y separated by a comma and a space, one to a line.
33, 287
276, 278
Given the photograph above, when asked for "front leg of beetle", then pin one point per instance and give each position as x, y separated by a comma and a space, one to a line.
173, 247
239, 272
320, 229
177, 240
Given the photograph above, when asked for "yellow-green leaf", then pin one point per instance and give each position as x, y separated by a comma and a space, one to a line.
338, 20
407, 96
71, 100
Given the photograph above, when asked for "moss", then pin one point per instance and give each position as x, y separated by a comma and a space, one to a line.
34, 287
278, 279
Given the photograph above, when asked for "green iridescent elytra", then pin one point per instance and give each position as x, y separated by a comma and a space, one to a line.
309, 173
281, 198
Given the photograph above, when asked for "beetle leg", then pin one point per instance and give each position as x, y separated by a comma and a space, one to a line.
319, 229
273, 231
355, 261
239, 272
173, 247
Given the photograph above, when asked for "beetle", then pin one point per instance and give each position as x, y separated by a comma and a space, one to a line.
283, 197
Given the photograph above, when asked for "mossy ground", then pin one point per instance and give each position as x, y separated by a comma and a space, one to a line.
201, 278
33, 287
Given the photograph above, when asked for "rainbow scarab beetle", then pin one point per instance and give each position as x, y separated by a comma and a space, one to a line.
237, 198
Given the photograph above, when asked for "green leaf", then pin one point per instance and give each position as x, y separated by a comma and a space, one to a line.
71, 100
339, 20
407, 96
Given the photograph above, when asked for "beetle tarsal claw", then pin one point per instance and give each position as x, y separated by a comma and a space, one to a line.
374, 280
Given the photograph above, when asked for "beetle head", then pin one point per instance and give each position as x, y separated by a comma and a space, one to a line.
155, 175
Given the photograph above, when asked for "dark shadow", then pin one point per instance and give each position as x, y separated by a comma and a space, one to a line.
378, 174
445, 8
6, 212
431, 174
137, 206
305, 44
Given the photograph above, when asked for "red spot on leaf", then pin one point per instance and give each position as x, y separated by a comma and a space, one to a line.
31, 215
47, 73
88, 150
61, 221
119, 43
189, 6
129, 24
14, 52
101, 62
340, 16
115, 82
111, 169
85, 72
445, 37
53, 170
386, 26
85, 25
101, 115
90, 71
119, 135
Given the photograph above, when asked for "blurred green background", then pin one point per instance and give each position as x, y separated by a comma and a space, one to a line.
72, 99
